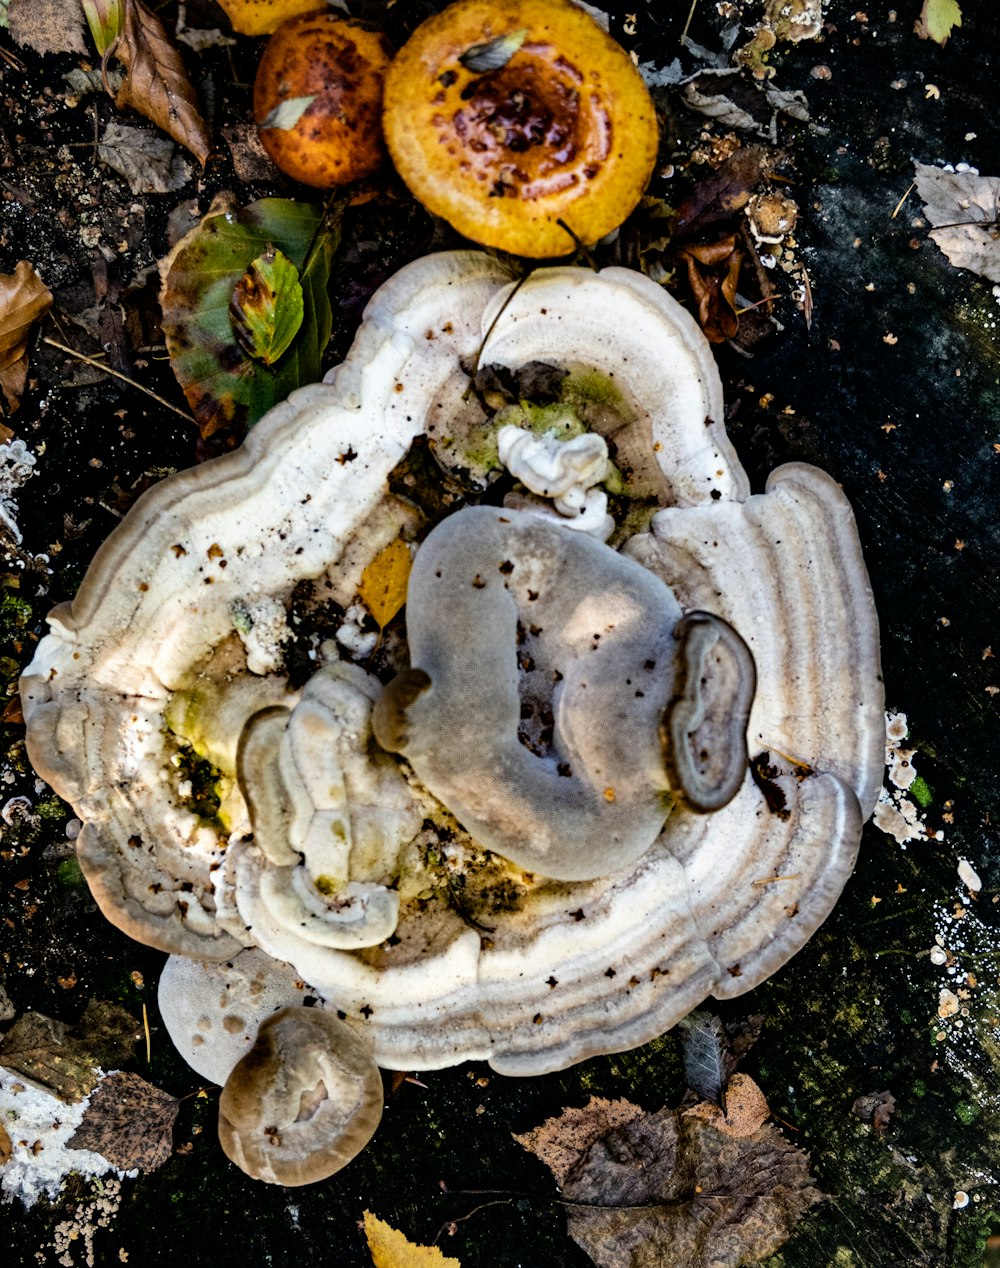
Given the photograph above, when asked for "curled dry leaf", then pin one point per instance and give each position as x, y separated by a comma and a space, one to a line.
671, 1187
713, 271
129, 1122
24, 298
6, 1148
390, 1249
156, 83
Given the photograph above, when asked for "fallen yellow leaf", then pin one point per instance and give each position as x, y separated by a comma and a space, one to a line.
390, 1249
383, 582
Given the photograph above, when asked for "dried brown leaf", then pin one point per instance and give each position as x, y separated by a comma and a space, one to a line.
129, 1122
705, 1051
562, 1142
156, 83
671, 1188
743, 1033
47, 26
24, 298
713, 271
6, 1148
65, 1060
964, 209
746, 1108
725, 192
875, 1108
148, 161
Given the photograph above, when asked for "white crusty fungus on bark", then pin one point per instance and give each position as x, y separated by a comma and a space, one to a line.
468, 900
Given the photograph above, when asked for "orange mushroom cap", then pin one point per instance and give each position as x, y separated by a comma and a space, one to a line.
336, 137
555, 144
263, 17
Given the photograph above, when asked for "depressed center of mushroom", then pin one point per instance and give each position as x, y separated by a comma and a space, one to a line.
303, 1102
524, 131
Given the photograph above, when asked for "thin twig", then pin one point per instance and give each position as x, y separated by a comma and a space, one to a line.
580, 248
687, 24
485, 339
98, 365
145, 1026
802, 769
449, 1226
899, 206
11, 60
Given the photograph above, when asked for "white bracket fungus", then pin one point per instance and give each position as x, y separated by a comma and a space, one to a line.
328, 818
528, 939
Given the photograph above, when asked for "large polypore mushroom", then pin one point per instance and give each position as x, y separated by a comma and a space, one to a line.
223, 809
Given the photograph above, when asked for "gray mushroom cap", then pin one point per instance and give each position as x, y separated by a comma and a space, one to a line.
542, 664
212, 1010
303, 1102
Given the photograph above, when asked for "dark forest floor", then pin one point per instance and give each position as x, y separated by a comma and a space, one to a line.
894, 388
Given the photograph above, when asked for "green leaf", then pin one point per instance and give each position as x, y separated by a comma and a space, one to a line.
105, 19
226, 388
266, 309
937, 20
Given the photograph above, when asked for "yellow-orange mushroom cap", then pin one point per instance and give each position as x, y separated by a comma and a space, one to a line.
263, 17
336, 137
554, 145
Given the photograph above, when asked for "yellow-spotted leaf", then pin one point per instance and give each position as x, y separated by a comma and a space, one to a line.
390, 1249
266, 309
383, 582
227, 389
